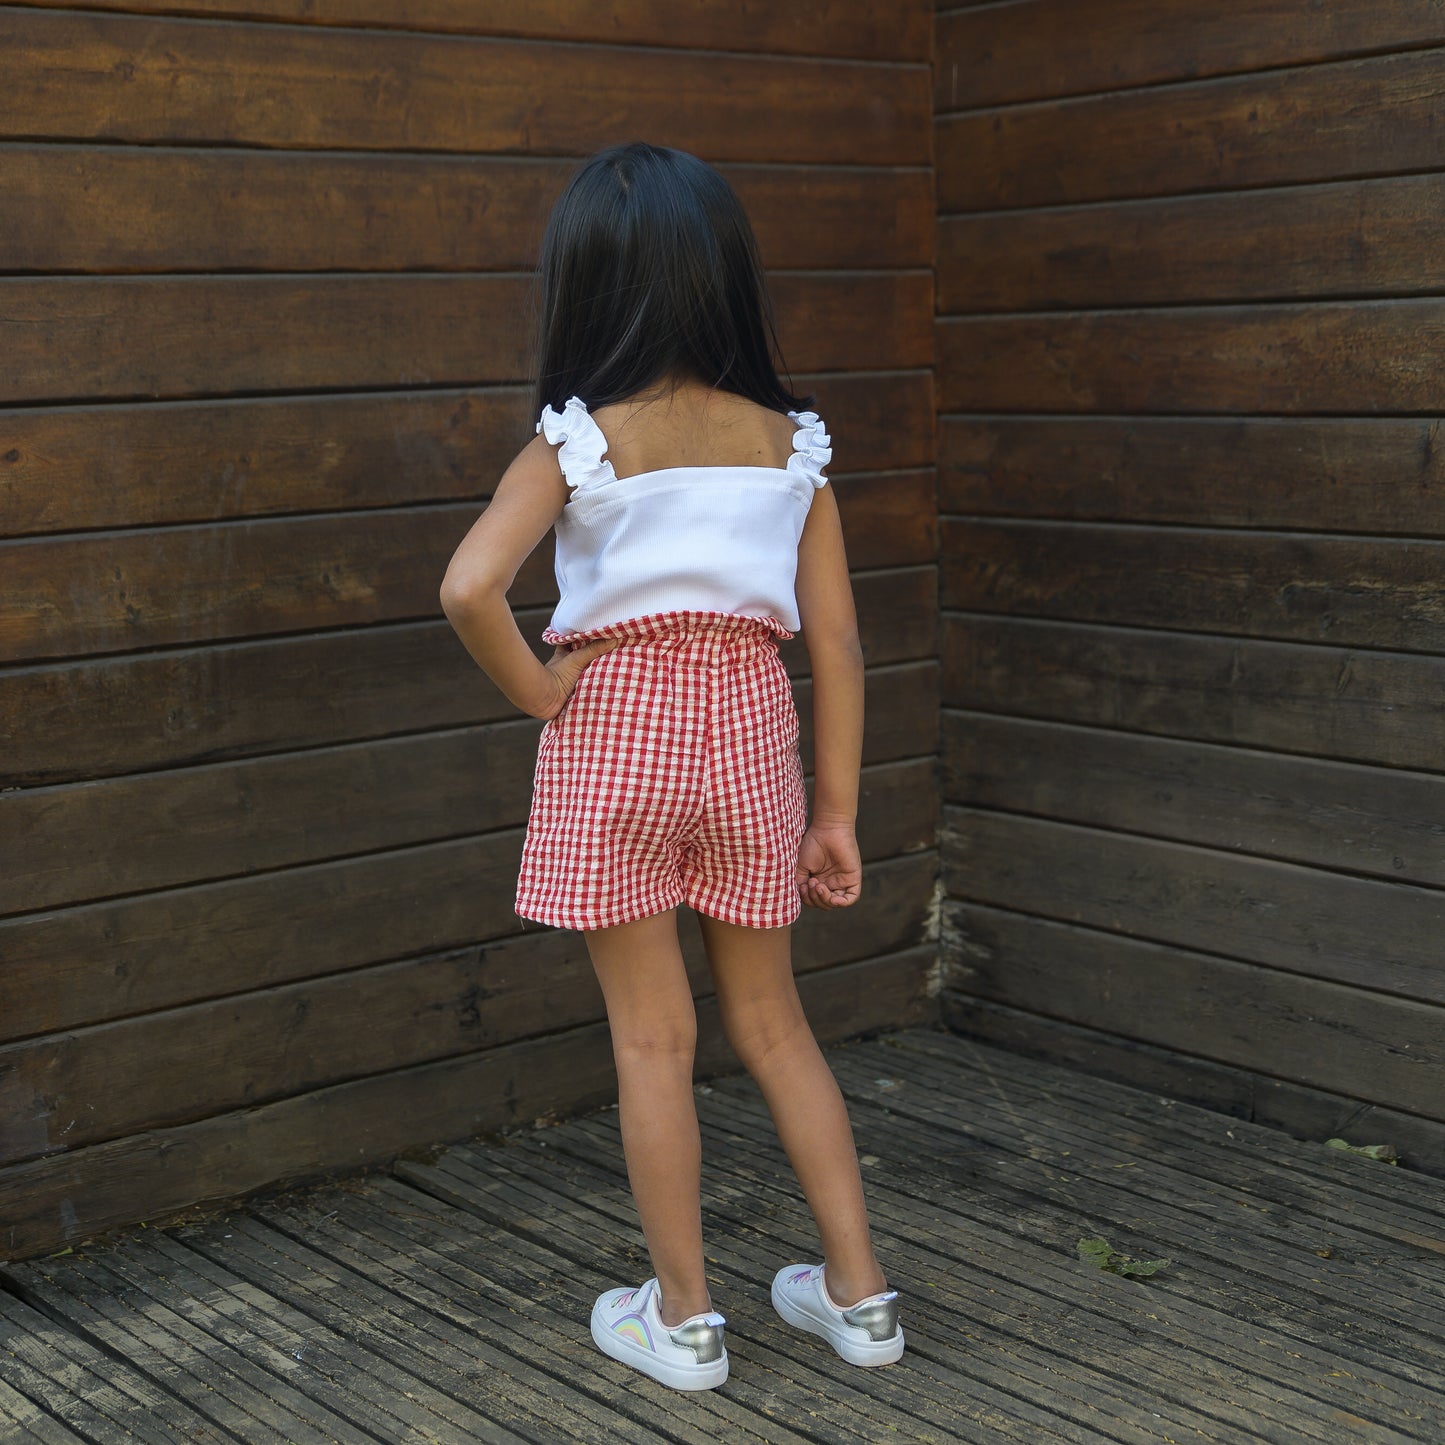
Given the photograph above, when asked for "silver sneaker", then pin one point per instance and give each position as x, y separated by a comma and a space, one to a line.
865, 1333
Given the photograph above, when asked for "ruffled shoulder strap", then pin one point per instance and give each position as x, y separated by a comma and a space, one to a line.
582, 443
812, 448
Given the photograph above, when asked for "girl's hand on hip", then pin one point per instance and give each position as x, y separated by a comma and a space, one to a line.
565, 667
830, 872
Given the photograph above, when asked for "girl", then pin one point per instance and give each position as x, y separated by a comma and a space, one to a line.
694, 527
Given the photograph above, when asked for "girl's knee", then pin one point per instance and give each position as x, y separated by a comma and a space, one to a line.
656, 1039
761, 1034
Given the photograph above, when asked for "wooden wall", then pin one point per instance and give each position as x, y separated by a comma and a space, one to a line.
1190, 381
265, 313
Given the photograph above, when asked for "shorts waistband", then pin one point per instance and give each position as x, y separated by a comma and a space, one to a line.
666, 626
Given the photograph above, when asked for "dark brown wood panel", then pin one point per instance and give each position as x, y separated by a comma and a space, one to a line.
127, 956
1343, 474
85, 76
988, 55
108, 592
1324, 925
85, 467
185, 825
1170, 995
1373, 116
1383, 823
256, 1047
1358, 358
1349, 238
124, 714
93, 338
313, 1134
847, 27
180, 210
1372, 592
1263, 1099
1379, 707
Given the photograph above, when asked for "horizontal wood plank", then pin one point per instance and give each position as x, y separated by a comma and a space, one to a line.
53, 1203
1260, 1098
1344, 474
853, 27
1377, 821
111, 715
89, 76
1350, 357
84, 467
77, 966
1372, 116
1304, 1030
107, 592
1350, 238
186, 825
1371, 592
1378, 707
178, 210
59, 1093
1359, 931
93, 338
994, 54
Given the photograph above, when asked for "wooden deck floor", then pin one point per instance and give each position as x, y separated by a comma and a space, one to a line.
448, 1301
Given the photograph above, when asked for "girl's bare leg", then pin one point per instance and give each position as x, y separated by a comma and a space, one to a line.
654, 1038
764, 1021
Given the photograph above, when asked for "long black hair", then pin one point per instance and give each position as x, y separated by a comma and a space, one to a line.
649, 271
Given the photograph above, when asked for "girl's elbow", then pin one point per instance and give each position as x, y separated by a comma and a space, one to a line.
462, 595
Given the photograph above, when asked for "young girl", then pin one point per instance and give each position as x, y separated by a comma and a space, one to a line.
694, 528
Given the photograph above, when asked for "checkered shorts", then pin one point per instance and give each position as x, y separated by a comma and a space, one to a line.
671, 775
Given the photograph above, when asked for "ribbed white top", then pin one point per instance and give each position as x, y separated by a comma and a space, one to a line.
717, 539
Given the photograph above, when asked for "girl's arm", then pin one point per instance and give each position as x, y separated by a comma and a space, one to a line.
528, 500
830, 874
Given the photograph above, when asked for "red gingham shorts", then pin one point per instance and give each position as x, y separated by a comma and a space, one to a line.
671, 776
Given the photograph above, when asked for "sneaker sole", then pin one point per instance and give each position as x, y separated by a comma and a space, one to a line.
679, 1377
856, 1352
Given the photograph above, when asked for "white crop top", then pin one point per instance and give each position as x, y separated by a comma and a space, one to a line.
716, 539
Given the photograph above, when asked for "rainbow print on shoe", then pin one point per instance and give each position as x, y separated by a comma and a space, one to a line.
627, 1325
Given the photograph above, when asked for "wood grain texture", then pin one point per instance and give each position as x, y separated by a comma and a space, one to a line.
1379, 822
130, 465
88, 76
312, 1134
856, 28
1374, 116
1171, 995
1372, 592
95, 338
107, 592
73, 967
249, 1049
176, 210
1359, 706
992, 54
195, 704
1337, 474
1324, 925
1351, 358
1346, 238
1265, 1100
188, 825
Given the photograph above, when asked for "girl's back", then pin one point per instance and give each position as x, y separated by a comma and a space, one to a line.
694, 426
